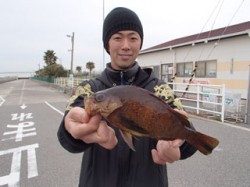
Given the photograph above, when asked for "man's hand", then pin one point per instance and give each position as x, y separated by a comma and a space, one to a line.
89, 129
167, 151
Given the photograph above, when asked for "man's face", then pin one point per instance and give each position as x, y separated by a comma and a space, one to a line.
124, 47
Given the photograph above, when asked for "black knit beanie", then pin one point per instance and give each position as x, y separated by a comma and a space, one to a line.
120, 19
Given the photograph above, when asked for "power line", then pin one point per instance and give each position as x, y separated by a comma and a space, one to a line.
219, 10
197, 37
217, 42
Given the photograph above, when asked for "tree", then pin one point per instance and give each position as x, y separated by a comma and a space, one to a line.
78, 71
90, 66
52, 69
49, 57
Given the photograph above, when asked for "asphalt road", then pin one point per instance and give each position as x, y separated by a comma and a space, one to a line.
30, 154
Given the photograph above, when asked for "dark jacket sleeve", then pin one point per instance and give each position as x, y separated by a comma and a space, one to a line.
187, 149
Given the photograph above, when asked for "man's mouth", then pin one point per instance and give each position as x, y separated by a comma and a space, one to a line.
125, 56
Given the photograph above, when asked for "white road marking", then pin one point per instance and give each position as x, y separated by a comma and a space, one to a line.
23, 106
32, 164
14, 177
1, 100
22, 131
21, 96
22, 116
54, 108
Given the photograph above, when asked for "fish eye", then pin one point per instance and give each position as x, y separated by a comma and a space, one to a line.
100, 97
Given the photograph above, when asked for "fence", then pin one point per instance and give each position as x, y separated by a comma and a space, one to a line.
49, 79
202, 98
68, 82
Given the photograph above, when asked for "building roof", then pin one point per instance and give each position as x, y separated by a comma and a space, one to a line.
233, 30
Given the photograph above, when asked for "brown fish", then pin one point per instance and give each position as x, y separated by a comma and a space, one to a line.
136, 111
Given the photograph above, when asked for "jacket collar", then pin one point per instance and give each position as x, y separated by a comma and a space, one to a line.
119, 77
133, 76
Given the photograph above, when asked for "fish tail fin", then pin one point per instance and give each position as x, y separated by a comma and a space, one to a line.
204, 143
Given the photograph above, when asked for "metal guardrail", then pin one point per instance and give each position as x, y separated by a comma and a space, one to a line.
202, 98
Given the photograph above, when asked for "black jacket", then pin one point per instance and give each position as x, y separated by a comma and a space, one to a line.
119, 167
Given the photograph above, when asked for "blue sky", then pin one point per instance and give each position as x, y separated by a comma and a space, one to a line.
30, 27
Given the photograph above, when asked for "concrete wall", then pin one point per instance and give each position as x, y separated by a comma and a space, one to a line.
7, 79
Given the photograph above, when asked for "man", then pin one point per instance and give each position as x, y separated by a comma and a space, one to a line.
107, 160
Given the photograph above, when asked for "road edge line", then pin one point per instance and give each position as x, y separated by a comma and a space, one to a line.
54, 108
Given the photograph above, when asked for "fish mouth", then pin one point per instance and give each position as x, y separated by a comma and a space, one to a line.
104, 108
91, 106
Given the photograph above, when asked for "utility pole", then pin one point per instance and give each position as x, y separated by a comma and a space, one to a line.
71, 77
72, 37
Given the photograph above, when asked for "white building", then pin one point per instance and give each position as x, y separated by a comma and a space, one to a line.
220, 56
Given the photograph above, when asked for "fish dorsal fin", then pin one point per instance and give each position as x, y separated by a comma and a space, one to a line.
160, 99
127, 137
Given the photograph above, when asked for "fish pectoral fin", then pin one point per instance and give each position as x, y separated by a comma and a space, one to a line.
127, 137
133, 127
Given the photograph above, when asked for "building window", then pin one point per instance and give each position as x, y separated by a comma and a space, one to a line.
166, 72
184, 69
156, 70
206, 68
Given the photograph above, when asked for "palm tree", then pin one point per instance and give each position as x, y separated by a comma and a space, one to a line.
49, 57
90, 66
78, 69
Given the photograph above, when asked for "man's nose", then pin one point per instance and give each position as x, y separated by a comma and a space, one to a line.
125, 44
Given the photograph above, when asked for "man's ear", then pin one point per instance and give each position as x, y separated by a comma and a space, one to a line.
108, 49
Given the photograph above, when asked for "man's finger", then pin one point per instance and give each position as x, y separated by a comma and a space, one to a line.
104, 136
107, 137
78, 114
79, 130
177, 142
156, 157
166, 151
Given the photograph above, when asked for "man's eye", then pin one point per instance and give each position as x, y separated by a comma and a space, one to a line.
117, 38
134, 38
